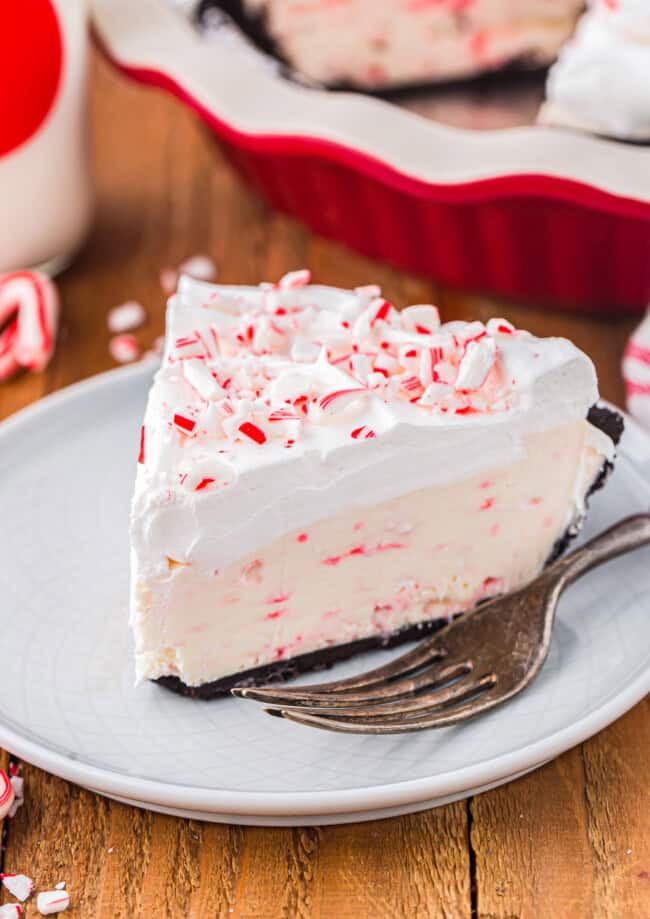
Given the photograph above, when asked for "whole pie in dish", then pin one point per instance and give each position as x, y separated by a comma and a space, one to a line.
601, 82
377, 44
320, 473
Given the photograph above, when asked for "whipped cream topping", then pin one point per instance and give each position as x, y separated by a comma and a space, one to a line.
601, 81
285, 389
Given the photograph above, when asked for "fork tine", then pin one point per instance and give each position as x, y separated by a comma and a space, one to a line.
402, 709
448, 716
426, 652
432, 676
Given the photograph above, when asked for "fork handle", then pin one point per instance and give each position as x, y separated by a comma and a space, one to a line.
631, 533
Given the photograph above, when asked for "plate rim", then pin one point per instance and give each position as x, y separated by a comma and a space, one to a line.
332, 819
298, 803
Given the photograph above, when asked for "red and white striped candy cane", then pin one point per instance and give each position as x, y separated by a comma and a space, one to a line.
29, 315
8, 362
6, 794
636, 373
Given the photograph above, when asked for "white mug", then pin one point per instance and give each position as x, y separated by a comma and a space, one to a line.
45, 184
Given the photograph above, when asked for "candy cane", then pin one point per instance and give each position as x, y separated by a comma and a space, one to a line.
636, 372
29, 310
52, 901
6, 794
8, 362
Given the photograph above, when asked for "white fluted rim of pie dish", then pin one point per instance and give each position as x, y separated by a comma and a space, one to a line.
249, 99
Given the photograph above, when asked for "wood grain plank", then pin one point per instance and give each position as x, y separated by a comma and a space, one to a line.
410, 866
617, 798
533, 855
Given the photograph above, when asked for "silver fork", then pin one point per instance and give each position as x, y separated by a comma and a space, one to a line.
478, 661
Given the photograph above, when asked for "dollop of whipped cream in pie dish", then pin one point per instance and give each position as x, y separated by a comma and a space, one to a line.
601, 81
308, 447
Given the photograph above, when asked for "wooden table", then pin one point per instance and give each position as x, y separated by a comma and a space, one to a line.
570, 840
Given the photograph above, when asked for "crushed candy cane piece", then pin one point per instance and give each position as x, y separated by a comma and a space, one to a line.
253, 432
125, 317
476, 364
378, 311
169, 280
283, 414
434, 393
7, 794
200, 377
375, 380
206, 472
429, 360
183, 424
362, 433
11, 911
446, 372
50, 902
19, 885
289, 386
124, 349
199, 267
422, 318
499, 327
368, 291
467, 331
386, 364
294, 279
190, 346
382, 310
141, 454
340, 399
60, 885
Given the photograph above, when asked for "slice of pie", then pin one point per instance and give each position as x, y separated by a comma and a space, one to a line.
320, 474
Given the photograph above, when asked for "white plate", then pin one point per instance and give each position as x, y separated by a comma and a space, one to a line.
67, 700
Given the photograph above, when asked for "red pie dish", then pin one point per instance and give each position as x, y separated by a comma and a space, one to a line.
536, 213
